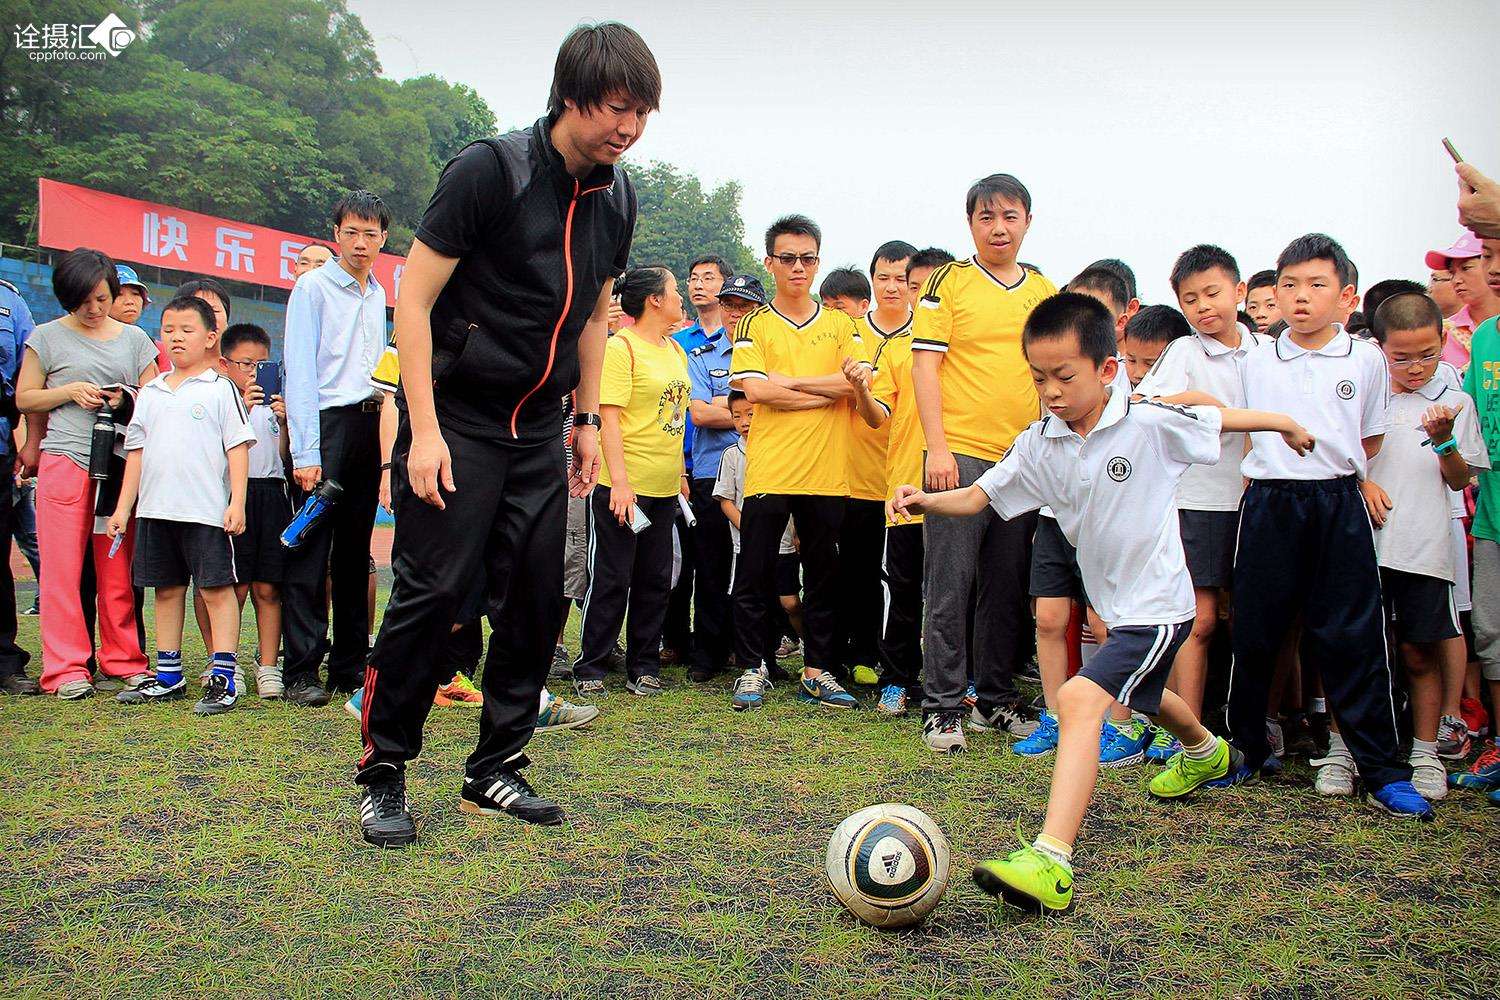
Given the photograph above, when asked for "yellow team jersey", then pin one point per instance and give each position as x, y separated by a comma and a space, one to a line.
649, 382
867, 445
892, 389
976, 320
796, 451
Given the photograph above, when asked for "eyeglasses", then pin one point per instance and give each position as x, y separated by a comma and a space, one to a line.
244, 366
349, 234
792, 259
1421, 362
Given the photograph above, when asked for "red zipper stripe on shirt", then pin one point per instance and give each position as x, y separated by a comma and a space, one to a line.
567, 301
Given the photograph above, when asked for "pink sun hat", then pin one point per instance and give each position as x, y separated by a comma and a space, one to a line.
1467, 245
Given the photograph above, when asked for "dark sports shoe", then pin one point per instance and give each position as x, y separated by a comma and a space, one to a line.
562, 666
153, 690
217, 698
19, 684
506, 791
306, 693
385, 815
647, 685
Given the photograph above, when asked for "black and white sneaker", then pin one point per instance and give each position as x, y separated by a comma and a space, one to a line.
647, 685
506, 791
385, 815
1004, 718
153, 690
217, 698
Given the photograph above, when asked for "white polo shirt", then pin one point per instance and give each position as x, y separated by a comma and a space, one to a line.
183, 435
1121, 384
1340, 393
265, 453
1417, 537
1112, 493
1203, 364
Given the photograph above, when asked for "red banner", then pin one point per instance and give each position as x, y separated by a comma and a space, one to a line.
143, 232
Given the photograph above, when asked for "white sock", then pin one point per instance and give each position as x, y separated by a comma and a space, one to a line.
1423, 750
1336, 745
1318, 706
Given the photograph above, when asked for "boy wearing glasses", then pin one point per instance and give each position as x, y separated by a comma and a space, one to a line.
1305, 543
1433, 447
788, 361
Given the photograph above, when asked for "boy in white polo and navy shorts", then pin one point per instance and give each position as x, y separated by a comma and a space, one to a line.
1206, 280
187, 460
1305, 544
1432, 448
1108, 468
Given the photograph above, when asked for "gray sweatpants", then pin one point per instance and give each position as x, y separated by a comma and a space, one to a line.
1486, 613
979, 562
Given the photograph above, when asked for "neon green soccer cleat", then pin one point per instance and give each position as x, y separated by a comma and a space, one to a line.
1029, 880
1183, 775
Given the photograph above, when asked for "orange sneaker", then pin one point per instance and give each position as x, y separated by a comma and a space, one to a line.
459, 691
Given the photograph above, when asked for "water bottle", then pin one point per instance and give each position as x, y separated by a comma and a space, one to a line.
319, 502
102, 443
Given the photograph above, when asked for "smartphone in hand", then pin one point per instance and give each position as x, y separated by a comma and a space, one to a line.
268, 377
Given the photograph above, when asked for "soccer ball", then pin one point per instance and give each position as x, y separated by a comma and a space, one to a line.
888, 865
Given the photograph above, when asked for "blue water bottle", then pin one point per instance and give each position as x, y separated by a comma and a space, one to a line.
319, 502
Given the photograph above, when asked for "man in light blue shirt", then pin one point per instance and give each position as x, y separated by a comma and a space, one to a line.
335, 334
15, 327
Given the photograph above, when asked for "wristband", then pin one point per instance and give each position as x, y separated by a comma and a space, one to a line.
1448, 447
587, 420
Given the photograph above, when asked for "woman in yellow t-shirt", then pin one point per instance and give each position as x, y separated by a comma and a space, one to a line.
643, 404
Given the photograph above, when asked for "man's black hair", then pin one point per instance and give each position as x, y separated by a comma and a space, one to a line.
1118, 267
1246, 319
1073, 313
1100, 279
236, 334
361, 205
1003, 186
930, 257
597, 61
792, 225
77, 275
892, 252
1157, 325
638, 285
1382, 290
1260, 279
846, 282
216, 288
725, 271
191, 303
1406, 311
1354, 275
1316, 246
1204, 257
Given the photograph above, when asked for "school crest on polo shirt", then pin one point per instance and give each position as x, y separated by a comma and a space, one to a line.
198, 411
1118, 468
1345, 389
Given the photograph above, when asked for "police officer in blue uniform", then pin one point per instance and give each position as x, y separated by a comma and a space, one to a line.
15, 326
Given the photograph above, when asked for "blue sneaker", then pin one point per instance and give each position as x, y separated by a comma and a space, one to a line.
355, 706
1163, 746
892, 701
1482, 776
1400, 798
824, 690
750, 690
1042, 741
1494, 797
1123, 749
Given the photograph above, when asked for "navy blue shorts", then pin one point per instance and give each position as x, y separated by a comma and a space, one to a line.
1208, 538
1420, 608
1054, 563
1134, 662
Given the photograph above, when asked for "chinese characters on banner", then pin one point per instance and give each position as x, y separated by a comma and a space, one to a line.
142, 232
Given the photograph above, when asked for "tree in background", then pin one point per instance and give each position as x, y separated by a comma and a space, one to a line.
679, 221
267, 111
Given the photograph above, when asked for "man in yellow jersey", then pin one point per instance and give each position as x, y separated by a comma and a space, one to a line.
901, 636
974, 394
862, 539
788, 360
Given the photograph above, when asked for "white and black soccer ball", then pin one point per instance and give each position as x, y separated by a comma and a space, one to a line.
888, 865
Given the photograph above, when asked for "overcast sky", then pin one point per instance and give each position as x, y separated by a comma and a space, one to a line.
1141, 128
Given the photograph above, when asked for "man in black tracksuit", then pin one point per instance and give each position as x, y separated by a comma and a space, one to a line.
503, 311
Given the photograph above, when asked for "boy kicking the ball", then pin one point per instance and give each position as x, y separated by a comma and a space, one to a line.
1109, 468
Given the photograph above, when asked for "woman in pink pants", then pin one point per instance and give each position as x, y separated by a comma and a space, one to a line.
67, 367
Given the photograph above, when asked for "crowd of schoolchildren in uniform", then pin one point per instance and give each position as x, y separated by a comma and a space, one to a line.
1255, 506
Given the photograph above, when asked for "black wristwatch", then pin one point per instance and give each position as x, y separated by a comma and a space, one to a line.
587, 420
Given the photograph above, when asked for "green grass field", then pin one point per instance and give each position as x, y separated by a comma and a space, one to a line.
147, 853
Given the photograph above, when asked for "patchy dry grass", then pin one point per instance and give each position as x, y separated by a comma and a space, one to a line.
150, 853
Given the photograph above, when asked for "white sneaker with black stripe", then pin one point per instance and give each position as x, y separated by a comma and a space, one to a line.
505, 791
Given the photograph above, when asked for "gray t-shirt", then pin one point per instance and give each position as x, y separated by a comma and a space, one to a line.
67, 356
